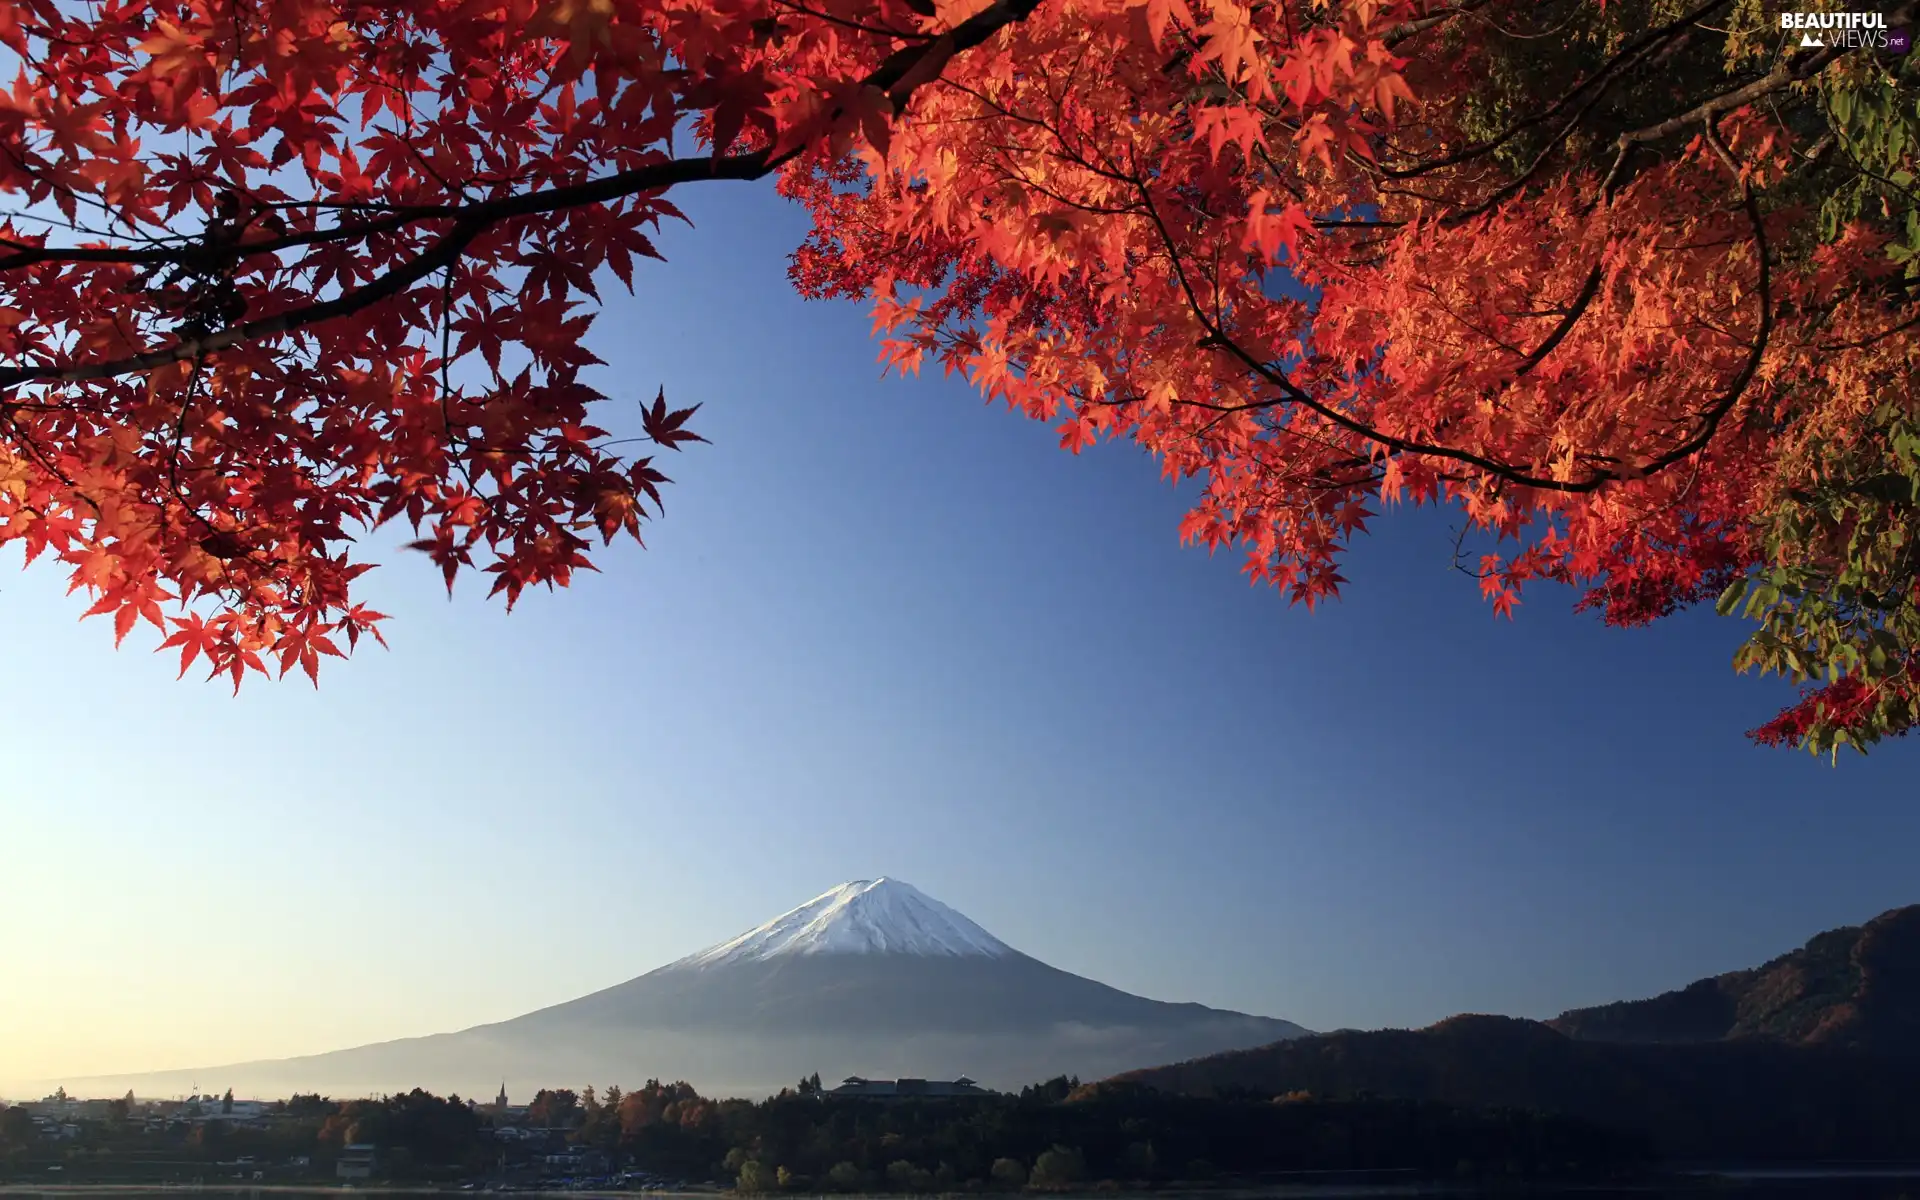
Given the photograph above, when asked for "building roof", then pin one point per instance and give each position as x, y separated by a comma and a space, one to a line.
899, 1088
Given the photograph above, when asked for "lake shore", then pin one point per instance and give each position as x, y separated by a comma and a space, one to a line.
1710, 1180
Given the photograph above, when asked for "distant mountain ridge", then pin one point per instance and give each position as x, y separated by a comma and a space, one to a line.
872, 978
1808, 1057
1856, 986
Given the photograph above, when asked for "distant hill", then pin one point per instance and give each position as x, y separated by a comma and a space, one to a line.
1858, 986
1812, 1056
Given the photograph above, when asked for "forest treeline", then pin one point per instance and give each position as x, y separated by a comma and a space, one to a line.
1052, 1135
1060, 1135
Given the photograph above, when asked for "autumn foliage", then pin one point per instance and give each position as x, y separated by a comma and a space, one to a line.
1630, 284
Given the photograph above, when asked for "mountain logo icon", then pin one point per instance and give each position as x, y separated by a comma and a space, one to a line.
1807, 39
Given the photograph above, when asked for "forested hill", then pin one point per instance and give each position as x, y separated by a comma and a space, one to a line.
1749, 1099
1858, 986
1811, 1056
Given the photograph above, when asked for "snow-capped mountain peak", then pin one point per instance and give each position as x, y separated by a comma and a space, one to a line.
865, 916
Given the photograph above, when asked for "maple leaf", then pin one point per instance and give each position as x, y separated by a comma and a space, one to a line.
360, 619
174, 50
445, 553
1270, 233
1230, 39
665, 427
1077, 434
645, 479
1316, 140
1236, 124
1161, 14
739, 105
1389, 87
304, 647
194, 637
870, 110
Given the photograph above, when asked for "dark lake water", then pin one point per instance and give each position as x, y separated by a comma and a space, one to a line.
1864, 1183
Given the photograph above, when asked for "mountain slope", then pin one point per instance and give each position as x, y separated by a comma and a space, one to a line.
855, 993
1856, 986
872, 978
1810, 1056
1748, 1100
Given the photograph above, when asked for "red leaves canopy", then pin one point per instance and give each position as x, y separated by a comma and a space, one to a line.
1323, 256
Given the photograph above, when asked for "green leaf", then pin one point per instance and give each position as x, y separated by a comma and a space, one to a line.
1764, 597
1730, 599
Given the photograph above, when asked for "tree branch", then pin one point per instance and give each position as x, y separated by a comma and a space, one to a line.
903, 72
895, 75
1790, 71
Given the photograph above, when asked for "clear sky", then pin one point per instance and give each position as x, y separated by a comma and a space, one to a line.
885, 629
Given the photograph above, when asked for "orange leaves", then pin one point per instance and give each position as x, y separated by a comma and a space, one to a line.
1230, 124
1389, 88
176, 52
97, 570
1113, 258
128, 600
1079, 433
304, 647
184, 66
119, 177
1078, 203
1161, 14
1231, 40
193, 636
1269, 234
1316, 140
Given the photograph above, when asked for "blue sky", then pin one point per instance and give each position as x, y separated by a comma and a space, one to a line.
885, 629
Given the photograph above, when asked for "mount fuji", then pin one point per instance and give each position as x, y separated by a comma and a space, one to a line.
872, 978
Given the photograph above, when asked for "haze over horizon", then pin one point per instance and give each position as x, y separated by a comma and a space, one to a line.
883, 630
872, 978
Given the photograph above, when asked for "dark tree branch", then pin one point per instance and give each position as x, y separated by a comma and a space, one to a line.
1575, 311
903, 72
444, 253
1790, 71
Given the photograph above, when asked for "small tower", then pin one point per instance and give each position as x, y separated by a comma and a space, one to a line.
500, 1101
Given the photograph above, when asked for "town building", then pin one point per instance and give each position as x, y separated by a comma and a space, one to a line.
907, 1089
355, 1162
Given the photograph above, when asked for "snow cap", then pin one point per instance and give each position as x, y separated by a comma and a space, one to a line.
865, 916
